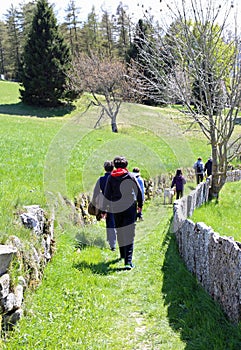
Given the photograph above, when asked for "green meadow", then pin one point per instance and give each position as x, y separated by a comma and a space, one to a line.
225, 218
86, 300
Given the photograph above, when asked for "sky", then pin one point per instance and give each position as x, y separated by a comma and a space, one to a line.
134, 10
86, 6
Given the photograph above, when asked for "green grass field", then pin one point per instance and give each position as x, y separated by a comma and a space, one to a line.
225, 218
86, 301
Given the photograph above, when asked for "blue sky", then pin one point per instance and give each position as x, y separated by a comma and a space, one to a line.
86, 5
134, 10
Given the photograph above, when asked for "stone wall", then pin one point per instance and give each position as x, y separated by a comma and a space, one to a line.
214, 259
31, 257
30, 262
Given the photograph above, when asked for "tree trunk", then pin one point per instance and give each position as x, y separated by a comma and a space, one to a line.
218, 180
219, 170
113, 118
114, 127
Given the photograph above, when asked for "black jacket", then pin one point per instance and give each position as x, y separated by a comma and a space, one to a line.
122, 191
208, 167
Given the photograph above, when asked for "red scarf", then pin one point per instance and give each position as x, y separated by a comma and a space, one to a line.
119, 172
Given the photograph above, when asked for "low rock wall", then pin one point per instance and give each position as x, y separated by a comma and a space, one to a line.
31, 261
214, 259
31, 257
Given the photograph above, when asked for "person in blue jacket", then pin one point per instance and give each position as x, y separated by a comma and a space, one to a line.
199, 170
122, 196
136, 172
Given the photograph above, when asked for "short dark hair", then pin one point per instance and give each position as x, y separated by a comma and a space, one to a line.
108, 166
120, 162
136, 170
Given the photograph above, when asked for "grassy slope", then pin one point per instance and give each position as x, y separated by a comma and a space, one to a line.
85, 300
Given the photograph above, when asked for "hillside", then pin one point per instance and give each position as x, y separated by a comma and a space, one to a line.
86, 300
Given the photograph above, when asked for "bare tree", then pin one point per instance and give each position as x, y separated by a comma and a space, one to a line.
102, 77
197, 59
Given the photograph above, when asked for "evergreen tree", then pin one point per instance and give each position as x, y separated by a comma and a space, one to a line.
14, 42
3, 31
90, 40
106, 33
143, 41
45, 60
72, 22
123, 28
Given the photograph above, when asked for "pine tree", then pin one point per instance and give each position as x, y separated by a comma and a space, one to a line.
45, 60
71, 24
14, 42
3, 31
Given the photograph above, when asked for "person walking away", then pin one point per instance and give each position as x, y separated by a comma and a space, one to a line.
199, 170
208, 167
122, 195
136, 172
110, 220
178, 181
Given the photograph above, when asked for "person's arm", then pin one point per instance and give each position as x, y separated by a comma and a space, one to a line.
96, 192
139, 196
173, 182
106, 198
141, 182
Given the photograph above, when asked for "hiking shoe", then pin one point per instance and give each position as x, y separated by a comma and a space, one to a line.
129, 266
113, 249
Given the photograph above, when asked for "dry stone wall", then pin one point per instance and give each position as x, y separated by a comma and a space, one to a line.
214, 259
32, 256
31, 260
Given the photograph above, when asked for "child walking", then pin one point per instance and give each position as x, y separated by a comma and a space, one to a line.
178, 181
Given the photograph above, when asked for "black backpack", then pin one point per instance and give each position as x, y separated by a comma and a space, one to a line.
199, 168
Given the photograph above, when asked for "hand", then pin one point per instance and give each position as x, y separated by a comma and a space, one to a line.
139, 210
103, 215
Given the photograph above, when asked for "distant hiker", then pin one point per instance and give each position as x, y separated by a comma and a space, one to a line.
178, 181
122, 195
110, 221
199, 170
208, 166
136, 172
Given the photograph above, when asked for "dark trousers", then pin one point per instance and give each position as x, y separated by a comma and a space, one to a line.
125, 228
199, 178
110, 230
179, 194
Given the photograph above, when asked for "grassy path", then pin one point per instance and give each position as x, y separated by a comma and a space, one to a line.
86, 300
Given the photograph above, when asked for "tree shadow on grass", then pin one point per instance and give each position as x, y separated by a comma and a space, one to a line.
191, 311
102, 268
22, 109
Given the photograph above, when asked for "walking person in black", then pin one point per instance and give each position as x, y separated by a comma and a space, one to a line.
110, 221
122, 195
208, 167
